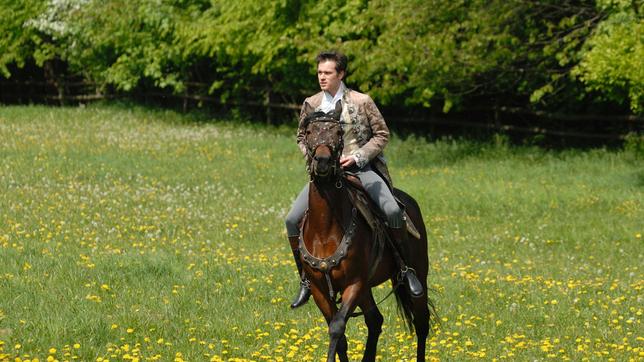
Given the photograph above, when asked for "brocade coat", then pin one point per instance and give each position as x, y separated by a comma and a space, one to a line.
368, 126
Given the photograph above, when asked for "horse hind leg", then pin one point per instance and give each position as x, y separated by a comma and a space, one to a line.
421, 325
373, 318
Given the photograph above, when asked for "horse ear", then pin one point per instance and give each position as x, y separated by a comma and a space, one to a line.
338, 108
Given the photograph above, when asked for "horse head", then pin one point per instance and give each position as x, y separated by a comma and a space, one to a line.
324, 142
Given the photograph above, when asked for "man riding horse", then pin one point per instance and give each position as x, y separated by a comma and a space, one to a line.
365, 137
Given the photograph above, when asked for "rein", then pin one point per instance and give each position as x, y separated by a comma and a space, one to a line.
393, 289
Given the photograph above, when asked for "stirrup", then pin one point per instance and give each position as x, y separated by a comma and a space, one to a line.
303, 295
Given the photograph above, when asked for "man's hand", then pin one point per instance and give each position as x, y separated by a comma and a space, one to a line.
347, 161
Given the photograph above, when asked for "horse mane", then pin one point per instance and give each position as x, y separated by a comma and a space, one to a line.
332, 115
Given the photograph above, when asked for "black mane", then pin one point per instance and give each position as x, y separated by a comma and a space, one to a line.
320, 115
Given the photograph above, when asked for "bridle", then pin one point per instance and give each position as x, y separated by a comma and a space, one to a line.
313, 141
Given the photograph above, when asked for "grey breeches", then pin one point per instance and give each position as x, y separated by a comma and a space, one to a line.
376, 188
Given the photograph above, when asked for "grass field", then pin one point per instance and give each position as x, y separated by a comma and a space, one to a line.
137, 234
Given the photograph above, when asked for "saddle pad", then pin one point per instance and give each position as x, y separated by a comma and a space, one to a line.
370, 212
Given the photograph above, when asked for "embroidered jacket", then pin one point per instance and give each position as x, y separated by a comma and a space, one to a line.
368, 128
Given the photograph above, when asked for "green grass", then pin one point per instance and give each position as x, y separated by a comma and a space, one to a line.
128, 233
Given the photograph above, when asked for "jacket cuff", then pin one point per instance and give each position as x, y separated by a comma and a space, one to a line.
361, 160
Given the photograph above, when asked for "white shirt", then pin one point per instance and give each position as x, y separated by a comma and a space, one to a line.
328, 101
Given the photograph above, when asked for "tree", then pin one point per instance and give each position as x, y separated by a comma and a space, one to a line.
562, 55
611, 60
20, 43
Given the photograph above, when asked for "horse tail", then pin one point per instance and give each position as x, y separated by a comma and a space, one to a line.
405, 306
434, 318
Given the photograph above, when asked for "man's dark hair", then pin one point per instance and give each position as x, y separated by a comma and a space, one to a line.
341, 61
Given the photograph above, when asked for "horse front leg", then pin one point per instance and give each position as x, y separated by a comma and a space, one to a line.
337, 340
337, 326
330, 311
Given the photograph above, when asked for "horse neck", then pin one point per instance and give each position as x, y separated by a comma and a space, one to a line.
329, 211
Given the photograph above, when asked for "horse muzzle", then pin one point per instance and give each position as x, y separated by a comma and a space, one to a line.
322, 167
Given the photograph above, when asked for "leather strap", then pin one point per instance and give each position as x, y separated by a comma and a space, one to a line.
328, 263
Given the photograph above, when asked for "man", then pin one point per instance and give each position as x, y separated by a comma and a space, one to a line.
365, 136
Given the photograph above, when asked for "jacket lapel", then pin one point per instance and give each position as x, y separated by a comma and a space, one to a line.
315, 100
349, 109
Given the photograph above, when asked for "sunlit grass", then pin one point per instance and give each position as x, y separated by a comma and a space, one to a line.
134, 234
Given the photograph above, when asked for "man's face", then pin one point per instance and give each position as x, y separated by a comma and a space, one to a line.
328, 77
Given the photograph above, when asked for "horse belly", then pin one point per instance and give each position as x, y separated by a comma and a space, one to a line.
386, 270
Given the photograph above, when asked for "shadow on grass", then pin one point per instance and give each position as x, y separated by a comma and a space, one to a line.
408, 145
222, 116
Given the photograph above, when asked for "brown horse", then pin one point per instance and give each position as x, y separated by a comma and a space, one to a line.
338, 247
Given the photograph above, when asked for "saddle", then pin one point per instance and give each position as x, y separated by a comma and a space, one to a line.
370, 211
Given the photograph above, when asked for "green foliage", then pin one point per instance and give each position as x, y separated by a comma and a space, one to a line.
18, 42
249, 46
426, 53
634, 145
128, 44
612, 58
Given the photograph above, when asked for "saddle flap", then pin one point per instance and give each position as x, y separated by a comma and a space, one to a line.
371, 213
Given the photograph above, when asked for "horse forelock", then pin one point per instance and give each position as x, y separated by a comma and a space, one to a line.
319, 135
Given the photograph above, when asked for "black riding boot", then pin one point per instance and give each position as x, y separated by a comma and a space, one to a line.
401, 240
305, 292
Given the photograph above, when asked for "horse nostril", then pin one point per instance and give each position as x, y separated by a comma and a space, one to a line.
323, 160
322, 165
